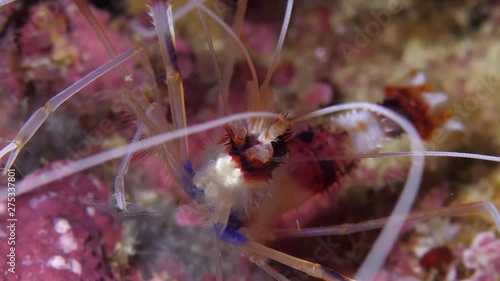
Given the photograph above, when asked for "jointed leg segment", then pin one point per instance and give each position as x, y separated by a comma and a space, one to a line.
345, 229
39, 117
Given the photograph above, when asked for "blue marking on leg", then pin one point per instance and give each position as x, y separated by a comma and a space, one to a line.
335, 274
230, 234
191, 189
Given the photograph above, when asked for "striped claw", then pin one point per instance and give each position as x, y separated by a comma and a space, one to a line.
415, 98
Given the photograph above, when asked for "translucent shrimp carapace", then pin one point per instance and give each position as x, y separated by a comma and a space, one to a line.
267, 169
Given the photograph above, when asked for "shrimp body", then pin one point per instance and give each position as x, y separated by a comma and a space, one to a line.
261, 173
240, 177
266, 164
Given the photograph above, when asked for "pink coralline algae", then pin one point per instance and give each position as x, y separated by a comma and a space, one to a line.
188, 216
59, 236
320, 95
483, 257
54, 48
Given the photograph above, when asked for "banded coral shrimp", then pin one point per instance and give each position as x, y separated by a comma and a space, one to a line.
180, 133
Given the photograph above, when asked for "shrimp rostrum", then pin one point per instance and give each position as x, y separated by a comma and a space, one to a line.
267, 167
